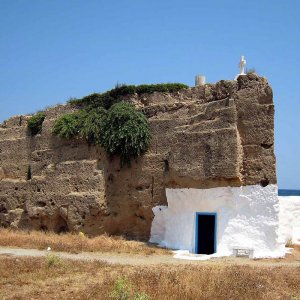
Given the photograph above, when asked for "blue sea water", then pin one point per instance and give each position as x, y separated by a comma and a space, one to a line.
283, 192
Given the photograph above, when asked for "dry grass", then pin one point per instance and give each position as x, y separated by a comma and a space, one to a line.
32, 278
74, 243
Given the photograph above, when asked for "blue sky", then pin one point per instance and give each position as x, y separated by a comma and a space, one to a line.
53, 50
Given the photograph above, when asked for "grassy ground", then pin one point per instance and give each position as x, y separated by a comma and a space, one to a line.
53, 278
74, 243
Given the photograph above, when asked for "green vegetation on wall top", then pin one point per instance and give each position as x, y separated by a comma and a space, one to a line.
106, 120
83, 123
115, 95
69, 125
125, 132
35, 123
121, 130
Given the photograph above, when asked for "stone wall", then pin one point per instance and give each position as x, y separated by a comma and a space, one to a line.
209, 136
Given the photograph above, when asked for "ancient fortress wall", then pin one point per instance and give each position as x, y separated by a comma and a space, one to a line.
215, 135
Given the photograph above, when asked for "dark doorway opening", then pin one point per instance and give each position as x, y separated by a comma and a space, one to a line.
205, 233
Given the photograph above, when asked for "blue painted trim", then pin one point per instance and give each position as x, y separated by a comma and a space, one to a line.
196, 231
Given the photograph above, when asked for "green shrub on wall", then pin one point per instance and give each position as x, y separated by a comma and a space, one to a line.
104, 119
92, 125
69, 125
94, 99
115, 95
121, 130
35, 123
125, 132
161, 87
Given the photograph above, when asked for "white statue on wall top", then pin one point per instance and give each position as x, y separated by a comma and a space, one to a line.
241, 65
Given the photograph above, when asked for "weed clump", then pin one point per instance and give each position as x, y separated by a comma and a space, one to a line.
53, 260
109, 98
141, 296
123, 291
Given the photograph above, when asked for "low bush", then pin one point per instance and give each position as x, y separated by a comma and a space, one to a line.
69, 125
162, 87
125, 132
35, 123
92, 125
94, 99
115, 95
122, 90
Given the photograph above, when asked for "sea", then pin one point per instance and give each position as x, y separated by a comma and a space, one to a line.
283, 192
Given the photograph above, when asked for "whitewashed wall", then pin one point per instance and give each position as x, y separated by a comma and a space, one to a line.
247, 216
289, 219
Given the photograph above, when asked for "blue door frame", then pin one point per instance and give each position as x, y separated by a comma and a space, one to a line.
196, 231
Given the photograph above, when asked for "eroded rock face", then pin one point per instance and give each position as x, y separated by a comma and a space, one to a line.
208, 136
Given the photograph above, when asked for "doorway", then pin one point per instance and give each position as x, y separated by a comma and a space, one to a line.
206, 228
